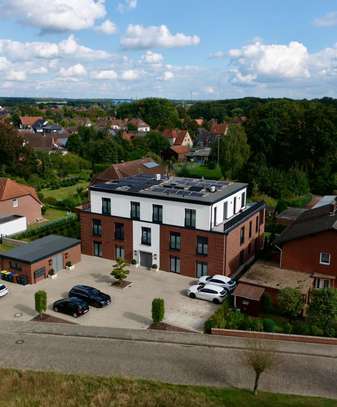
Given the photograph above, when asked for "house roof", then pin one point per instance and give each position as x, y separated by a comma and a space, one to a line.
180, 149
181, 134
42, 142
310, 222
10, 189
29, 120
40, 249
138, 123
170, 133
128, 168
219, 128
250, 292
290, 213
200, 152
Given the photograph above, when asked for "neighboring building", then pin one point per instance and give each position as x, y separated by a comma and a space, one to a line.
200, 155
220, 129
289, 216
19, 199
127, 169
325, 200
42, 142
178, 137
310, 245
189, 226
177, 153
119, 124
204, 138
28, 122
140, 125
32, 262
12, 224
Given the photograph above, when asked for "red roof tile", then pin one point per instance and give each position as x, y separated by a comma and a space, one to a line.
10, 189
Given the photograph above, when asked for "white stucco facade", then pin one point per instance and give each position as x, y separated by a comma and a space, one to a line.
13, 226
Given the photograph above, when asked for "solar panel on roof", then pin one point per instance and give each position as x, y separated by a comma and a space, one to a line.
151, 164
196, 188
197, 194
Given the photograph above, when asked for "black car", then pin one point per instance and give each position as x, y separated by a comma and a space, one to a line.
71, 306
90, 295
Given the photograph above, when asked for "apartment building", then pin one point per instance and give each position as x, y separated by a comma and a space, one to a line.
189, 226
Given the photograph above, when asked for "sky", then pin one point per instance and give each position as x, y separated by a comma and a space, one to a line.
179, 49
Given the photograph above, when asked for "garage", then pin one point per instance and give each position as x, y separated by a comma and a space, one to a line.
145, 259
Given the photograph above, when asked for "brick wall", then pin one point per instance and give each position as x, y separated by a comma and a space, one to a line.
27, 206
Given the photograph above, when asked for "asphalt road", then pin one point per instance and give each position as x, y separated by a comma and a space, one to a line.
173, 358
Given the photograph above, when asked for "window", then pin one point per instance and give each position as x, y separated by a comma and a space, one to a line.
325, 258
190, 218
250, 229
225, 210
157, 214
15, 203
15, 266
234, 210
106, 206
242, 235
39, 272
119, 231
257, 224
135, 210
98, 249
322, 283
202, 246
146, 236
215, 215
243, 199
202, 269
175, 264
96, 227
261, 218
120, 252
175, 241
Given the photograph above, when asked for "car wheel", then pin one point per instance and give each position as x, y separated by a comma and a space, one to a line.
216, 301
75, 315
192, 295
56, 309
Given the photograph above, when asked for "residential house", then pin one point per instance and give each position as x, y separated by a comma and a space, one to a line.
187, 226
42, 142
119, 124
177, 153
219, 129
29, 122
140, 125
178, 137
19, 199
309, 245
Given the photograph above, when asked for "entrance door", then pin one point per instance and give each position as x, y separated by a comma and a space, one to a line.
58, 262
145, 259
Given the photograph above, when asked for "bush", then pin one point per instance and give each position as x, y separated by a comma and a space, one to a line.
316, 331
50, 200
68, 264
154, 266
267, 304
133, 262
287, 328
290, 302
269, 325
158, 310
40, 302
208, 326
301, 328
257, 325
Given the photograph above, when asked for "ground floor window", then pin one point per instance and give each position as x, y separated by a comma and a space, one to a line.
202, 269
98, 252
120, 252
322, 283
39, 273
175, 264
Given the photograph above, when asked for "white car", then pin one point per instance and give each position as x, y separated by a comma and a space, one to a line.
3, 290
218, 279
208, 292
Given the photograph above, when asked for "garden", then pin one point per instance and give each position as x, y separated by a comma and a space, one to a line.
288, 315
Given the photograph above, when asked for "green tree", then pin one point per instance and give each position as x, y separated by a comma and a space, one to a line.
158, 310
40, 302
323, 308
120, 272
290, 302
156, 142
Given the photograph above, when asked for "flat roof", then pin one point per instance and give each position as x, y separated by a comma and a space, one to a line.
9, 218
291, 213
40, 249
264, 274
194, 190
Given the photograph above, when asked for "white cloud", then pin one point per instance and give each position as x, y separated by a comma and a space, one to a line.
152, 57
210, 90
261, 62
126, 5
17, 76
217, 55
73, 71
56, 15
104, 75
130, 75
168, 75
140, 37
107, 27
39, 70
329, 20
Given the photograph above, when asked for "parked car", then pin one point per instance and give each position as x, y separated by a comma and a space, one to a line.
71, 306
218, 279
208, 292
90, 295
3, 290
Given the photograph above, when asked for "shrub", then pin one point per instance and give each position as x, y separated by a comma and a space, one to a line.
133, 262
301, 328
267, 304
257, 325
120, 272
316, 331
269, 325
154, 266
290, 302
68, 264
43, 209
287, 328
323, 308
234, 319
208, 326
158, 310
40, 302
50, 200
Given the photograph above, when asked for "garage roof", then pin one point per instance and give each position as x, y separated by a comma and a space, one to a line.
40, 249
249, 292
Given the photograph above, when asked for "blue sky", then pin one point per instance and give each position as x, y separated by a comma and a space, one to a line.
168, 48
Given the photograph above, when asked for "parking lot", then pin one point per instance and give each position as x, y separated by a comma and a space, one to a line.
130, 307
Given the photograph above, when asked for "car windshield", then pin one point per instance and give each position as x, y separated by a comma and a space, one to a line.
2, 287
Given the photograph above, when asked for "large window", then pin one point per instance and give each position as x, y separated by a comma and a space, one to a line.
157, 214
243, 199
175, 264
325, 258
190, 215
234, 206
202, 269
202, 246
242, 235
225, 210
106, 206
96, 227
215, 216
98, 249
120, 252
119, 231
146, 236
135, 210
175, 241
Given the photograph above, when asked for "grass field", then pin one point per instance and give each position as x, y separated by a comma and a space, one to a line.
194, 170
65, 192
24, 388
6, 247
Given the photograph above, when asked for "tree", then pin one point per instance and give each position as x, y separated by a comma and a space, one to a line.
119, 271
260, 360
40, 302
156, 142
323, 309
158, 310
290, 302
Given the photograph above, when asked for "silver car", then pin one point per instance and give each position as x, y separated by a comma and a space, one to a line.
208, 292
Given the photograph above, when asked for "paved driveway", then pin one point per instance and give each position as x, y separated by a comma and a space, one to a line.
130, 307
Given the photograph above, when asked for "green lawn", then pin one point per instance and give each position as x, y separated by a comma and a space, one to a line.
194, 170
4, 247
25, 388
65, 192
53, 214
